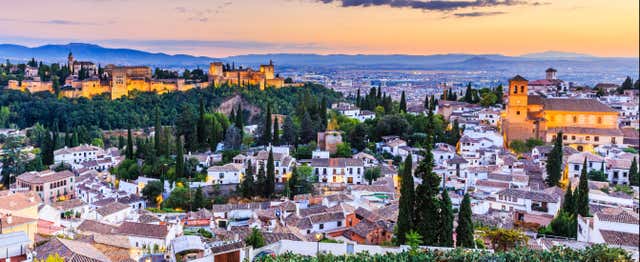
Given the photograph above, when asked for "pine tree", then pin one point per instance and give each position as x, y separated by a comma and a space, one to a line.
179, 158
407, 202
446, 220
270, 184
157, 132
129, 152
464, 231
568, 204
120, 142
554, 162
403, 103
266, 132
582, 200
276, 133
307, 133
201, 136
288, 132
198, 200
248, 184
634, 178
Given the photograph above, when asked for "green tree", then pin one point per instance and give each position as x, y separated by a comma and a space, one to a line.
488, 99
403, 103
597, 175
634, 178
426, 102
179, 158
4, 116
276, 133
372, 174
121, 142
343, 150
407, 202
357, 137
289, 133
554, 162
427, 203
248, 185
446, 220
464, 231
307, 132
582, 200
499, 93
129, 152
414, 240
568, 203
199, 200
270, 184
468, 96
152, 190
518, 146
255, 239
266, 132
157, 131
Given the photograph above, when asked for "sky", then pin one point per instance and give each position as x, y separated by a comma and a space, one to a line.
220, 28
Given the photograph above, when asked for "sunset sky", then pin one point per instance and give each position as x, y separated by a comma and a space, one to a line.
230, 27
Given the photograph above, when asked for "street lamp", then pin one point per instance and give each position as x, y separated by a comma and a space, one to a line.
318, 237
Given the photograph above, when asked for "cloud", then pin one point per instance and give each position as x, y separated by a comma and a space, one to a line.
435, 5
202, 15
478, 14
51, 22
232, 44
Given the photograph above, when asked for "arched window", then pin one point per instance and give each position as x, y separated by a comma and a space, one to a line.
515, 90
522, 89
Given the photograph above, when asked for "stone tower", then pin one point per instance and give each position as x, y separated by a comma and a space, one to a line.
518, 99
268, 70
70, 62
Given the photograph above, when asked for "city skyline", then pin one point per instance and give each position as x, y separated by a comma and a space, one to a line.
223, 28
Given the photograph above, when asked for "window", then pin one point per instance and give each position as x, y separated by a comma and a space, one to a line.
564, 137
573, 137
339, 223
575, 119
599, 120
321, 226
576, 167
517, 112
596, 138
522, 89
515, 90
588, 138
613, 140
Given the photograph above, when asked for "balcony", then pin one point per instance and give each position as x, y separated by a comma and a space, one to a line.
539, 208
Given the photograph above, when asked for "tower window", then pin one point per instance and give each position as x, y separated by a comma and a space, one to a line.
599, 120
517, 112
575, 119
522, 89
515, 90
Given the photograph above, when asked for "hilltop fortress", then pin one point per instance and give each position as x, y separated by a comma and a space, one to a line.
87, 80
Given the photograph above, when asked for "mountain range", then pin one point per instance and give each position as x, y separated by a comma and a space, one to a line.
124, 56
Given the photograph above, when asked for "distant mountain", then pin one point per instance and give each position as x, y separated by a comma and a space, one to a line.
124, 56
557, 55
99, 54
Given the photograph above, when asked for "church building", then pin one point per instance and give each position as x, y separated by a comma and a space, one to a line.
584, 123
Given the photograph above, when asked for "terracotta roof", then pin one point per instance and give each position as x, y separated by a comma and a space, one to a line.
620, 238
518, 78
143, 230
533, 195
487, 183
587, 131
44, 176
579, 158
71, 251
93, 226
18, 201
111, 208
326, 217
226, 168
618, 215
68, 204
227, 247
339, 197
576, 105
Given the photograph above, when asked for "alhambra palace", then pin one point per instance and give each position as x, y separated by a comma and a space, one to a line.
584, 123
118, 81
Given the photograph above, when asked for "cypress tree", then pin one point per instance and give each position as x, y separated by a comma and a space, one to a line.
568, 204
307, 133
215, 136
270, 184
266, 133
446, 220
403, 103
129, 152
554, 162
157, 132
179, 158
322, 109
358, 98
47, 149
378, 96
261, 180
427, 202
288, 132
120, 142
426, 103
582, 200
634, 178
276, 133
248, 187
467, 95
239, 120
75, 141
464, 231
67, 139
407, 202
499, 93
200, 126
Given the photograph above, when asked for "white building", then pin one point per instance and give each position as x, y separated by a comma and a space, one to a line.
613, 226
535, 202
228, 174
77, 155
339, 170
